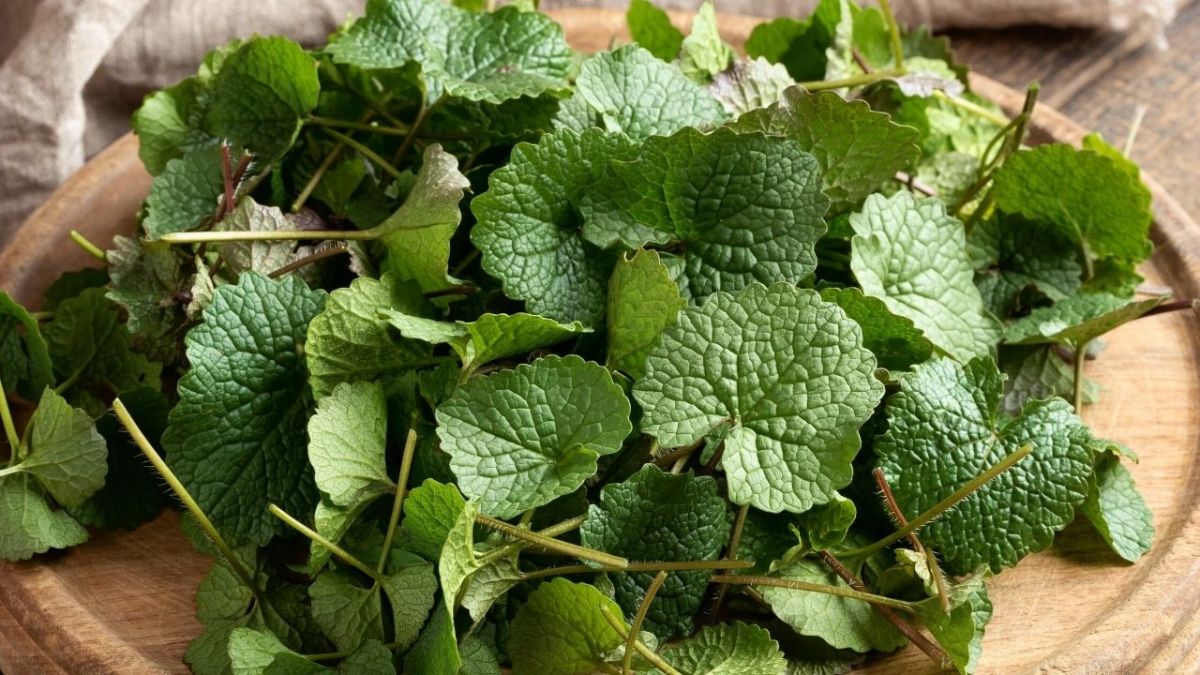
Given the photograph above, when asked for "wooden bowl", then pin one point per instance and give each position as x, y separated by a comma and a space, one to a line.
122, 603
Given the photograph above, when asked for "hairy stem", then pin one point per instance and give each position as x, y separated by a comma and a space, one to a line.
83, 243
893, 507
226, 236
516, 546
618, 624
654, 566
638, 619
945, 505
307, 260
184, 496
342, 554
364, 151
972, 107
10, 429
735, 541
893, 33
573, 550
854, 81
406, 459
794, 585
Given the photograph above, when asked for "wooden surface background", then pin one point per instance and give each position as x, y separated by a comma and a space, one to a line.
122, 603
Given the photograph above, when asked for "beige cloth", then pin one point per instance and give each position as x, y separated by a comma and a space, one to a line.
72, 71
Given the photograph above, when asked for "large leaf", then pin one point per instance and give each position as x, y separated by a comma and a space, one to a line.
560, 629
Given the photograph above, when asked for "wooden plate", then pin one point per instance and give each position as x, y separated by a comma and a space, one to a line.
122, 603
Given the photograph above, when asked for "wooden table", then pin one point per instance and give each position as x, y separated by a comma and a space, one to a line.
1098, 80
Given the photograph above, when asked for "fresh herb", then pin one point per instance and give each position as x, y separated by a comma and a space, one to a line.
436, 316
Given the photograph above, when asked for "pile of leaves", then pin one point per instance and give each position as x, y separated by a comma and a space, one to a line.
465, 351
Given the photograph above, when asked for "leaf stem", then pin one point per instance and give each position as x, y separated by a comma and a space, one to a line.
327, 252
1139, 113
517, 546
364, 151
41, 316
795, 585
85, 244
333, 548
581, 552
889, 500
893, 33
329, 122
630, 637
184, 496
735, 541
10, 429
944, 505
9, 470
1080, 359
422, 115
406, 460
315, 178
972, 107
226, 236
333, 656
654, 566
853, 81
227, 180
69, 382
638, 619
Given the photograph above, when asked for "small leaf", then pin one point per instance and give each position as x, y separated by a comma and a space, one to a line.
651, 28
703, 53
643, 301
727, 649
1077, 320
1117, 510
66, 453
24, 358
960, 632
895, 340
749, 85
560, 629
346, 444
29, 525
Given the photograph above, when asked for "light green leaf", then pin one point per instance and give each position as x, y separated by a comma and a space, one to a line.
511, 460
236, 439
347, 613
66, 453
894, 340
560, 630
643, 301
932, 285
527, 225
745, 207
749, 85
185, 195
29, 525
430, 512
349, 342
411, 591
843, 623
703, 53
785, 371
24, 358
436, 651
960, 632
944, 429
859, 149
169, 123
636, 93
88, 343
651, 28
660, 516
257, 652
261, 94
1077, 320
346, 444
1117, 510
1087, 197
488, 584
263, 257
727, 649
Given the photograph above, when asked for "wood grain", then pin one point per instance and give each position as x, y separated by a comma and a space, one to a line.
122, 603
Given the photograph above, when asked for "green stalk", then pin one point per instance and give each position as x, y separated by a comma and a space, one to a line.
365, 152
69, 382
794, 585
10, 470
639, 619
410, 444
893, 33
735, 541
10, 429
184, 496
516, 546
653, 566
854, 81
630, 637
581, 552
83, 243
333, 548
972, 107
1080, 358
1138, 114
329, 122
946, 504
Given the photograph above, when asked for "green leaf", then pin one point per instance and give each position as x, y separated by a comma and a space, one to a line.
71, 284
349, 342
419, 232
263, 257
511, 460
261, 95
636, 93
133, 492
89, 344
660, 516
944, 429
960, 632
560, 629
703, 53
727, 649
488, 338
24, 358
1012, 256
931, 284
256, 652
347, 613
527, 227
1039, 372
436, 650
346, 444
745, 207
185, 195
801, 46
825, 525
750, 84
1077, 320
1087, 197
643, 301
843, 623
148, 281
430, 512
651, 28
236, 439
894, 340
29, 525
488, 584
410, 591
787, 374
859, 149
1117, 510
169, 122
66, 453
